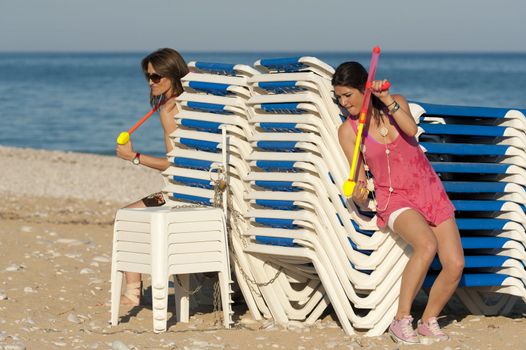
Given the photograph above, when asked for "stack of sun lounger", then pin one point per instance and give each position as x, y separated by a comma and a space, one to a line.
480, 154
297, 244
300, 222
214, 99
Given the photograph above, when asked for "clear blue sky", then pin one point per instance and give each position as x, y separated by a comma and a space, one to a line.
271, 25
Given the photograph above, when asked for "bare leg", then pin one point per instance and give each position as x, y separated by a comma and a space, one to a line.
452, 259
413, 228
133, 279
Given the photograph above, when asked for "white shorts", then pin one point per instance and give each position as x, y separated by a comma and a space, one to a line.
394, 215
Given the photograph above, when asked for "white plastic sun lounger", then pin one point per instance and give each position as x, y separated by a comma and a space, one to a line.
224, 69
491, 116
295, 64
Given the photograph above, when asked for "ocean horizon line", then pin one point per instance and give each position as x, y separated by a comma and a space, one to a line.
242, 52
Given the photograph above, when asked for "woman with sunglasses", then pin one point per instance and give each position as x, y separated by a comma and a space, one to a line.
163, 70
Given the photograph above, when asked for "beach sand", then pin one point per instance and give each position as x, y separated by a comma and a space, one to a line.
56, 227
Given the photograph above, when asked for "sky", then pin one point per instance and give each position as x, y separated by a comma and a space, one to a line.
272, 25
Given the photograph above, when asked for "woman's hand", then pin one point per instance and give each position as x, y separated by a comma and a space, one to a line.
383, 95
168, 109
360, 194
125, 151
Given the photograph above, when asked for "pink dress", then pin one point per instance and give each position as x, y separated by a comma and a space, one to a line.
415, 183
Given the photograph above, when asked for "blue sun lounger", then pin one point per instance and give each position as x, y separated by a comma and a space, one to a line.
496, 116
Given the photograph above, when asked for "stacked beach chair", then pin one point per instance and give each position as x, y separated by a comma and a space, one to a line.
480, 154
315, 247
214, 99
297, 244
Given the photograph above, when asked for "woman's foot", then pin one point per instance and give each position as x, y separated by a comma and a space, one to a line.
132, 295
431, 329
402, 331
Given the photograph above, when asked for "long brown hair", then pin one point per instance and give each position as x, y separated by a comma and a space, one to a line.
168, 63
354, 75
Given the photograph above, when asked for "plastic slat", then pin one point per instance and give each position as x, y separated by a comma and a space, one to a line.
483, 242
277, 204
193, 199
457, 129
201, 125
192, 163
277, 145
288, 127
211, 88
481, 224
277, 185
474, 205
291, 108
200, 144
218, 68
463, 111
464, 149
193, 182
208, 107
288, 64
276, 165
278, 241
276, 223
281, 87
474, 187
482, 168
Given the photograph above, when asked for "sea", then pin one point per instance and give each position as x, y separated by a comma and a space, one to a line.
80, 102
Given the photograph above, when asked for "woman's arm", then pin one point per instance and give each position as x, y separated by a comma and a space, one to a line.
403, 116
347, 139
167, 113
398, 108
160, 164
126, 152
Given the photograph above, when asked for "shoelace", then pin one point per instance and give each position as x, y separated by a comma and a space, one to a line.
407, 328
432, 324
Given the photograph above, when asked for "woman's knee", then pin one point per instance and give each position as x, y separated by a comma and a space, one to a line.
453, 268
427, 247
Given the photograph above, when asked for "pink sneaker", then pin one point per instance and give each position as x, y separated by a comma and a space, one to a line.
431, 329
402, 331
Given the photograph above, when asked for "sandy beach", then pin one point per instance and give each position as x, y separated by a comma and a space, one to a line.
56, 227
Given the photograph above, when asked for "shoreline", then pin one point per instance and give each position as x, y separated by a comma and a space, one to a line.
55, 256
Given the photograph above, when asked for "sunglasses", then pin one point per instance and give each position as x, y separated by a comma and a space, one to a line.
156, 78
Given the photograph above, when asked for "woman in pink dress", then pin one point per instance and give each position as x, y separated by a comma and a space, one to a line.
410, 198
